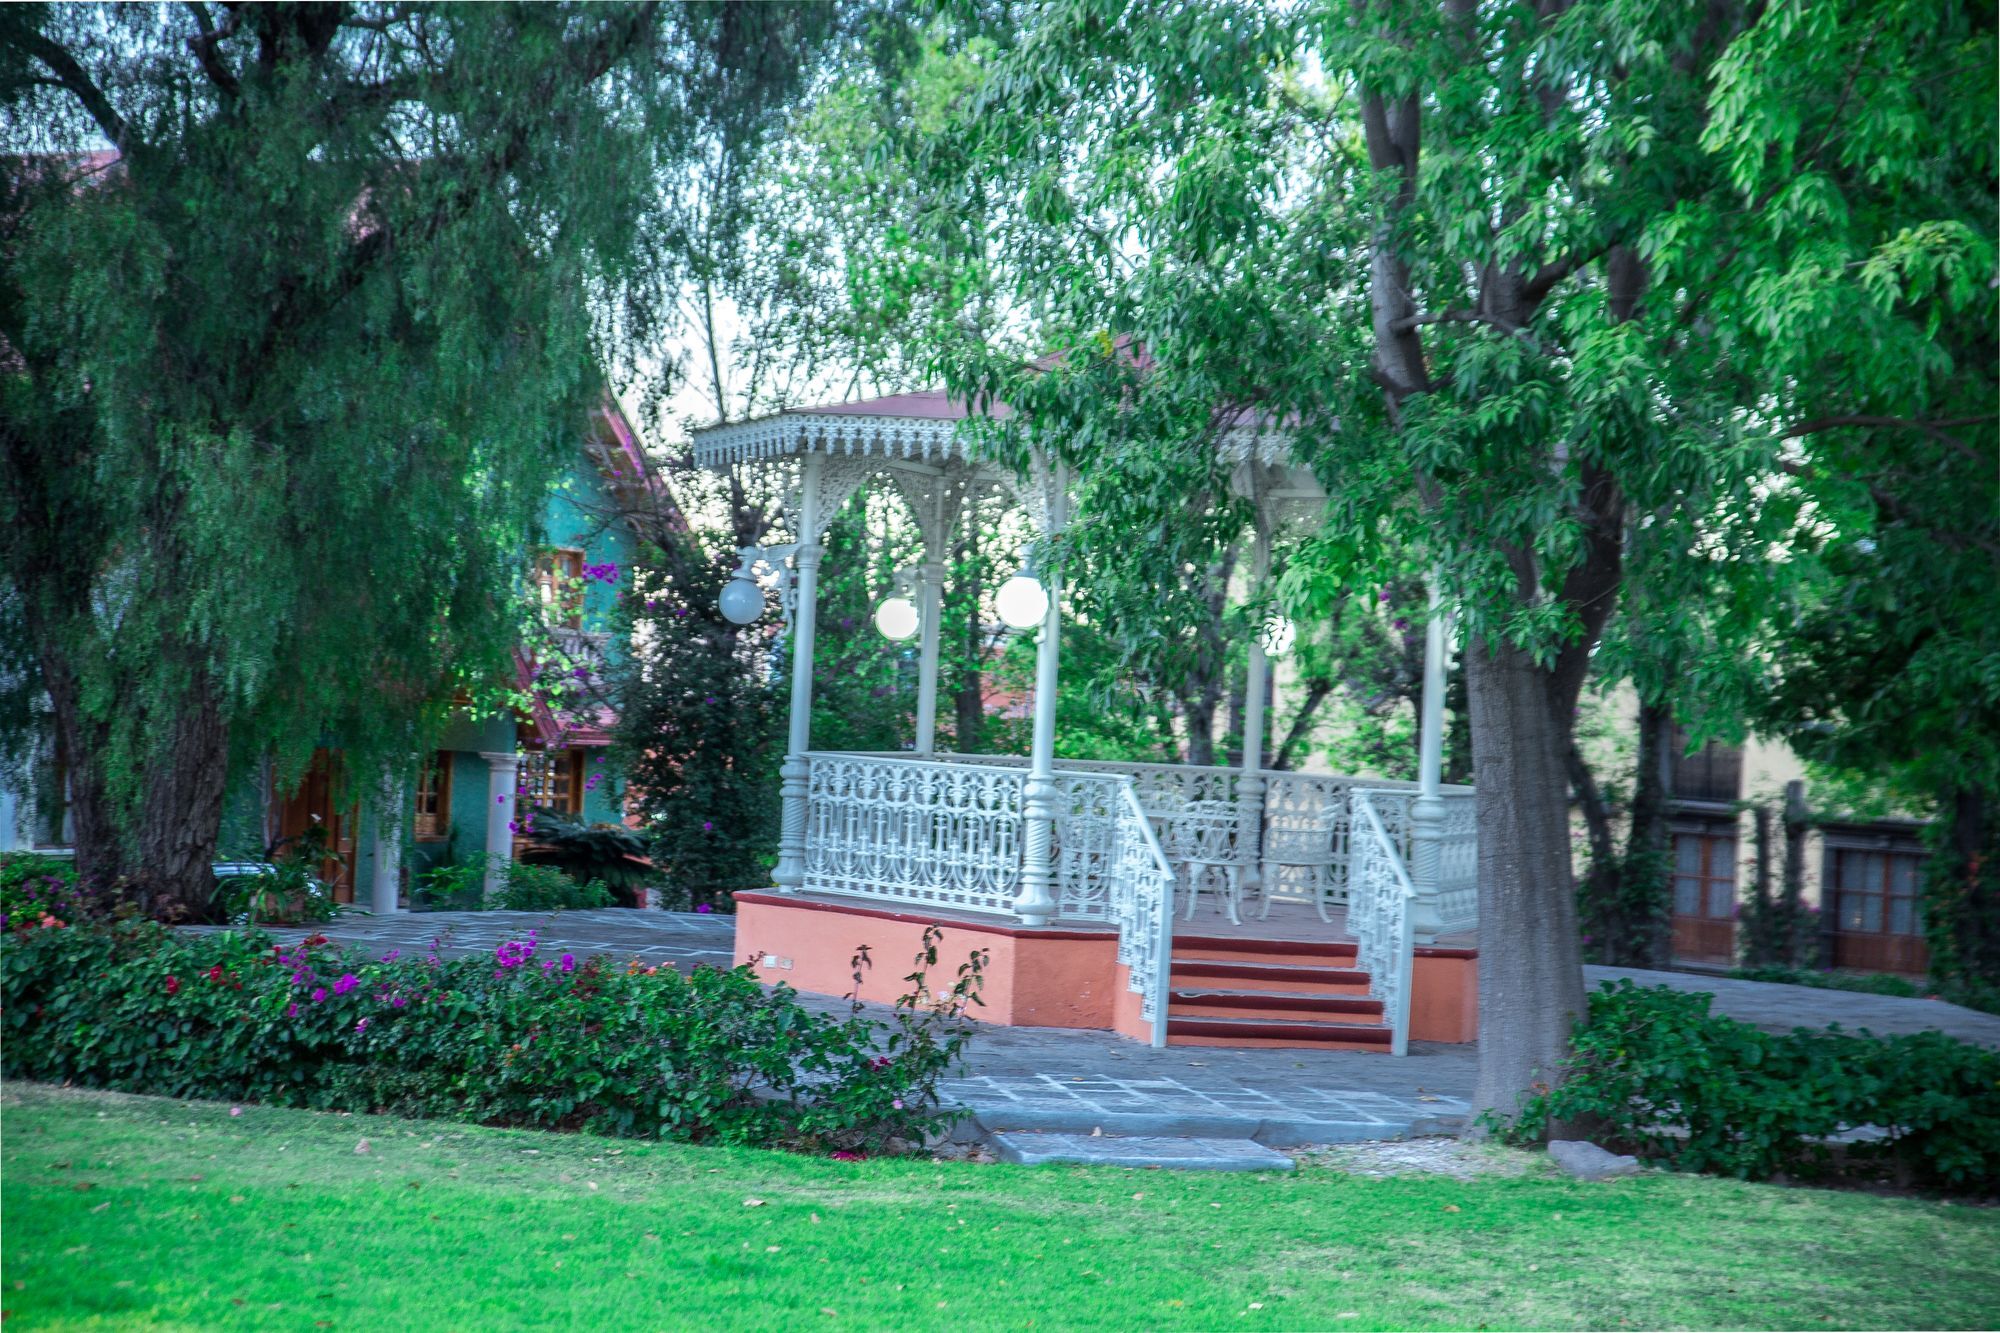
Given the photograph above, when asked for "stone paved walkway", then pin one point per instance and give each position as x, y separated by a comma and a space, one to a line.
1064, 1080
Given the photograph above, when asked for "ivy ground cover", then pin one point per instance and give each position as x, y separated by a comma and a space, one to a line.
123, 1210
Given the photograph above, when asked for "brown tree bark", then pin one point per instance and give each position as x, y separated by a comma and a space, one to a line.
179, 815
1530, 967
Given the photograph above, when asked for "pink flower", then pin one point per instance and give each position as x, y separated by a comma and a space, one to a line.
291, 1011
362, 1026
319, 995
347, 982
236, 1110
173, 985
898, 1103
569, 962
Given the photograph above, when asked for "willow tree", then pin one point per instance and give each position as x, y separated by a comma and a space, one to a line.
305, 306
1537, 288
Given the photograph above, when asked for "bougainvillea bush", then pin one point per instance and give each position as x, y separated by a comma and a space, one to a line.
38, 890
517, 1037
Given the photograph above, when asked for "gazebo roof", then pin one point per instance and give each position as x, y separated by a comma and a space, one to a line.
916, 427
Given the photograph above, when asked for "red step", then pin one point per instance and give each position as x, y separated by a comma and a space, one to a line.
1288, 977
1252, 1004
1308, 953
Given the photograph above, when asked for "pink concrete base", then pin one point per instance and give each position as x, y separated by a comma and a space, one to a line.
1065, 978
1033, 978
1444, 995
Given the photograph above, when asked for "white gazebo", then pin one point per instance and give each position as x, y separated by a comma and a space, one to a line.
1071, 874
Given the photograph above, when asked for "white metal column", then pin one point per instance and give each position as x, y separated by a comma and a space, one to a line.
1037, 904
930, 603
387, 891
1427, 811
1250, 786
790, 872
502, 772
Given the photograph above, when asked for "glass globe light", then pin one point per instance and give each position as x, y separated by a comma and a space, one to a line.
1279, 635
897, 618
742, 601
1022, 601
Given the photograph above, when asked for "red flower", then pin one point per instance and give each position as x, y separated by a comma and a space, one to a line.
173, 985
215, 973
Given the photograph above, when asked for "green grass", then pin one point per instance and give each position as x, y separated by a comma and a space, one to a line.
125, 1211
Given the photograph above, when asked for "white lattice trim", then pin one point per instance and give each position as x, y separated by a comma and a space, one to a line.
788, 433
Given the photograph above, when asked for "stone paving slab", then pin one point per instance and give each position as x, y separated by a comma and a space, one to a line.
1186, 1154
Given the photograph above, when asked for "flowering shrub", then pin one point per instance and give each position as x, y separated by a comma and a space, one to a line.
516, 1037
1653, 1072
461, 887
39, 892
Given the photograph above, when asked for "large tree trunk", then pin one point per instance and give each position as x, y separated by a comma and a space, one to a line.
80, 742
179, 816
1648, 882
1530, 970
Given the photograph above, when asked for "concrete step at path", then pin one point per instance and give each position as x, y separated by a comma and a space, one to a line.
1256, 1031
1181, 1154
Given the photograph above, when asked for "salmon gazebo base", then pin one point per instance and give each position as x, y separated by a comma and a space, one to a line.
1286, 980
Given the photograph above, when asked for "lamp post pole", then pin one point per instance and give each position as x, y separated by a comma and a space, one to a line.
790, 872
1037, 904
1427, 811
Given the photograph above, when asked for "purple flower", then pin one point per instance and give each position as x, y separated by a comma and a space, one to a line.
708, 826
347, 982
291, 1011
499, 800
362, 1026
703, 908
392, 955
319, 995
569, 962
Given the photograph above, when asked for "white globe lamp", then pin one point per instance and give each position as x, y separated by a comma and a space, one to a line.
1279, 635
897, 618
1022, 601
742, 601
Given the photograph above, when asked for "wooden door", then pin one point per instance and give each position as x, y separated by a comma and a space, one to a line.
1877, 916
313, 803
1705, 898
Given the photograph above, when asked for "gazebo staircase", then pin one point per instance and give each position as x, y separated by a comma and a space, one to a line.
1259, 992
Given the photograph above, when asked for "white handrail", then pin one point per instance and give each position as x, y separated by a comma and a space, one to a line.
1378, 916
1142, 900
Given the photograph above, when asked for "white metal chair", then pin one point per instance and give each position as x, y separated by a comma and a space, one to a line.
1200, 841
1307, 840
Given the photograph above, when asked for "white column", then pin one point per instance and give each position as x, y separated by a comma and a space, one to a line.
790, 871
502, 772
1037, 904
1427, 811
930, 603
388, 887
1250, 784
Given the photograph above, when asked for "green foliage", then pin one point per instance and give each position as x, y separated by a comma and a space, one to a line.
538, 888
451, 886
287, 891
596, 853
1866, 983
515, 1038
33, 887
1655, 1073
289, 403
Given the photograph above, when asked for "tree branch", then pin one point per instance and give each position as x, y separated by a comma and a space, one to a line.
205, 46
1937, 430
64, 66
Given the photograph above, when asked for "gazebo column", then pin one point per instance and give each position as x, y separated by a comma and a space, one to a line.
790, 872
930, 603
1250, 786
386, 894
502, 771
1037, 904
1427, 811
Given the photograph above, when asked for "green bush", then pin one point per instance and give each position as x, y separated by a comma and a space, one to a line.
511, 1038
533, 888
1867, 983
1654, 1073
461, 887
609, 853
35, 887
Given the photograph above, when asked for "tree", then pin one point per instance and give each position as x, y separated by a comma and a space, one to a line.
295, 368
1524, 283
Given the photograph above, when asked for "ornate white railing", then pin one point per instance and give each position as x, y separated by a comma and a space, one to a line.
1302, 841
1141, 898
1378, 916
912, 831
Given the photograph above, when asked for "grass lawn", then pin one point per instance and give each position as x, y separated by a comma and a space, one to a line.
124, 1211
